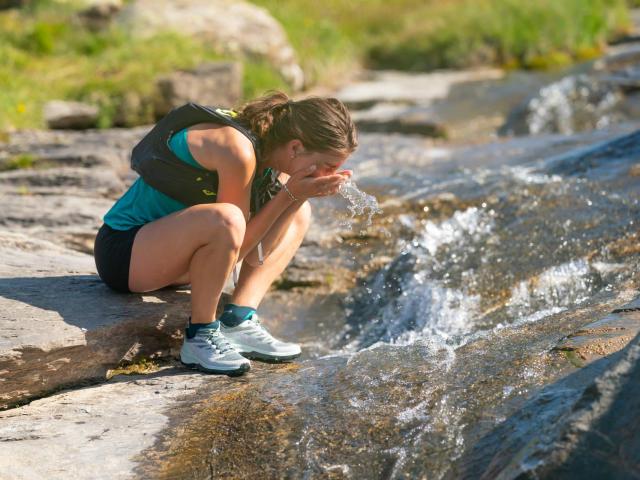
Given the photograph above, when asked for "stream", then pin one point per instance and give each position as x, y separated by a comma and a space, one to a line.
487, 256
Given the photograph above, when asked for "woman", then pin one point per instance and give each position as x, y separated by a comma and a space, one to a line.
150, 240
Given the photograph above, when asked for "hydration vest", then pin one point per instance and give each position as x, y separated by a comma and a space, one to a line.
159, 167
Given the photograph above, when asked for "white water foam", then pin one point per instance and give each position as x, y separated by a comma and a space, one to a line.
426, 309
470, 222
359, 202
559, 286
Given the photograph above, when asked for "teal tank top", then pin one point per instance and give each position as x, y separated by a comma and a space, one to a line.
142, 203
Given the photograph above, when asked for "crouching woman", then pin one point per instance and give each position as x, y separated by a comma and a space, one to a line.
263, 162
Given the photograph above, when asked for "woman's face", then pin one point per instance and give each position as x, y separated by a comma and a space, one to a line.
294, 157
326, 164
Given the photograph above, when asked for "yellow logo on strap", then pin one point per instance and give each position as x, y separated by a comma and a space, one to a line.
208, 192
227, 112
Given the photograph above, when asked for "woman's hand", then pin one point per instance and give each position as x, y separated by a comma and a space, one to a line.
303, 185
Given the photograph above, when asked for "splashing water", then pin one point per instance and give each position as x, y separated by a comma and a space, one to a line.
359, 202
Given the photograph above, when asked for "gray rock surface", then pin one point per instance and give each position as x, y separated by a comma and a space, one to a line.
582, 426
77, 181
60, 324
604, 336
398, 119
58, 148
209, 84
596, 436
235, 28
407, 88
72, 115
94, 432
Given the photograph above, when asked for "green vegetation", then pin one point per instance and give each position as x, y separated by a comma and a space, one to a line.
47, 52
140, 367
428, 34
24, 160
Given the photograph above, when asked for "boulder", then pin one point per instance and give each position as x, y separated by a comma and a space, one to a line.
77, 181
109, 148
4, 4
408, 88
61, 325
582, 426
70, 115
234, 27
390, 118
93, 432
595, 436
99, 13
217, 83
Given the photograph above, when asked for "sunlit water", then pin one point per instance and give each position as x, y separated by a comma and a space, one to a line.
505, 249
359, 203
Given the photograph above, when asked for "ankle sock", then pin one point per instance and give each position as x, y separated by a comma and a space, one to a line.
192, 328
234, 315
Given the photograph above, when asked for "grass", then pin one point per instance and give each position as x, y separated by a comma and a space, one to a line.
48, 53
139, 367
22, 161
508, 33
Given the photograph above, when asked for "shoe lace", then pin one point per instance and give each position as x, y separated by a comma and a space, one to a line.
217, 339
261, 328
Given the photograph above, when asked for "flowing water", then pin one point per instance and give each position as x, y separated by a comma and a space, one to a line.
360, 203
498, 252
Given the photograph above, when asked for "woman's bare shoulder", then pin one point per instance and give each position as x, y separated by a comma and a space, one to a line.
211, 144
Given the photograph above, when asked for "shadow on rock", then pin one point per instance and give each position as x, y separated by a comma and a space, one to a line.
577, 427
62, 330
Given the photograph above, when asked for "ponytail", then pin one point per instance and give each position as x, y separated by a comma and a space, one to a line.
321, 124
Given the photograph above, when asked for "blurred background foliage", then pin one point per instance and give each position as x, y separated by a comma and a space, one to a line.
48, 53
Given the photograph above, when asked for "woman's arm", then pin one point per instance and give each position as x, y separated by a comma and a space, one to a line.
266, 220
234, 160
276, 233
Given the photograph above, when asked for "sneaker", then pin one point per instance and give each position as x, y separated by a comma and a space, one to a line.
210, 352
252, 340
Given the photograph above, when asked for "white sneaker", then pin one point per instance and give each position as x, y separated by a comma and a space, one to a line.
211, 352
252, 340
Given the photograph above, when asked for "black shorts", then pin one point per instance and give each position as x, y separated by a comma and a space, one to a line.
112, 253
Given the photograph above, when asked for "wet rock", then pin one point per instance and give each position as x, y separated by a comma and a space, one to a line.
61, 325
235, 28
619, 59
575, 103
573, 429
605, 336
600, 439
70, 115
604, 95
209, 84
612, 156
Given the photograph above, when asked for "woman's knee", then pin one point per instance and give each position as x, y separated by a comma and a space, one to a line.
224, 222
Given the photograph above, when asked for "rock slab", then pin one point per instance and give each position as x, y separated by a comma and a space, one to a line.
61, 325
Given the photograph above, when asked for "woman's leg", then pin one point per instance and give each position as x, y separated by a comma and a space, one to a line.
200, 243
254, 281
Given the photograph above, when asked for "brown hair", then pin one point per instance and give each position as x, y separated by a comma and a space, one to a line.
323, 125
